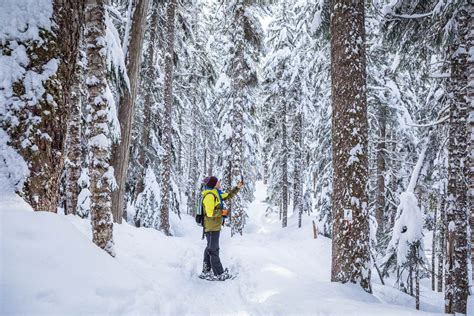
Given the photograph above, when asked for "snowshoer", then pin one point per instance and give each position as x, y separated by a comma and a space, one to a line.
214, 213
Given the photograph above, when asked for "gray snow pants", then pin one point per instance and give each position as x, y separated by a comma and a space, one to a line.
211, 254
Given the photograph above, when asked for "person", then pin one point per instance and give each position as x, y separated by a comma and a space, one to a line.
213, 207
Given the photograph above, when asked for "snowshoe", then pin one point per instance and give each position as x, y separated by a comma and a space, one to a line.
224, 276
206, 275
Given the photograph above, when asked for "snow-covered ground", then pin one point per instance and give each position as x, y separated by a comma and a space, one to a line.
50, 267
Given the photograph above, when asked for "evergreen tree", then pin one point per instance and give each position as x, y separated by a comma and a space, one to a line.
149, 72
350, 257
238, 121
167, 119
280, 93
445, 31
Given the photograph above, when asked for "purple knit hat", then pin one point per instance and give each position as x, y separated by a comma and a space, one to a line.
210, 181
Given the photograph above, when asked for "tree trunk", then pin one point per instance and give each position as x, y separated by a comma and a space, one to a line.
350, 245
457, 283
441, 243
417, 279
284, 168
410, 277
148, 99
168, 101
99, 138
433, 245
470, 91
120, 152
193, 166
380, 199
237, 121
393, 181
297, 194
265, 166
41, 121
74, 137
204, 169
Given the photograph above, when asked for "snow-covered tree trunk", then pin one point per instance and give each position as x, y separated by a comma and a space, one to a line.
37, 102
416, 255
236, 173
265, 166
148, 98
193, 165
441, 253
101, 173
120, 153
74, 138
237, 121
380, 198
298, 168
350, 244
457, 279
284, 166
470, 89
167, 119
393, 181
434, 243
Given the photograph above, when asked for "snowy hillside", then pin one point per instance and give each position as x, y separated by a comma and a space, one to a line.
49, 266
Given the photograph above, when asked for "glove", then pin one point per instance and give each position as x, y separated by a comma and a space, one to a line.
225, 213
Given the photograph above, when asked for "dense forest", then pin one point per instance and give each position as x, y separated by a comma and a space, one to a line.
357, 115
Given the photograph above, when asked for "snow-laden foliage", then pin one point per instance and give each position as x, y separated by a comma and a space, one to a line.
408, 229
296, 71
12, 165
236, 101
148, 202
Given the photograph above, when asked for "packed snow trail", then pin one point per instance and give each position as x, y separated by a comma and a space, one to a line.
50, 267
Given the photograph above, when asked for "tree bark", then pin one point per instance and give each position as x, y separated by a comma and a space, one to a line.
441, 243
350, 245
120, 152
284, 168
73, 139
193, 167
237, 120
41, 121
380, 199
457, 284
433, 244
417, 279
393, 181
101, 173
168, 100
470, 89
297, 194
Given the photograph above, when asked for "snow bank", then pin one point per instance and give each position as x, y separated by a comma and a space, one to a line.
49, 267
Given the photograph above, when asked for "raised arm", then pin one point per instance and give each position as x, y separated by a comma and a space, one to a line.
230, 194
